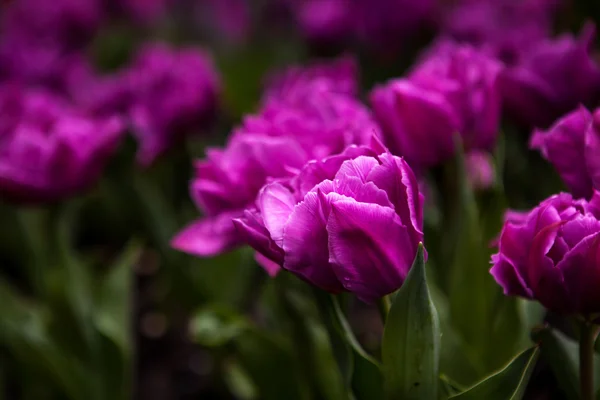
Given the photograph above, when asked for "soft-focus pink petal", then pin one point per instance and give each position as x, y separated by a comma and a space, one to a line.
208, 236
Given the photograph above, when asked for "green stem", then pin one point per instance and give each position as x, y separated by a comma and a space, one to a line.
384, 305
589, 332
29, 224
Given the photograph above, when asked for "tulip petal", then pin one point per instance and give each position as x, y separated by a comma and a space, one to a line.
251, 229
208, 236
276, 203
575, 230
581, 270
545, 278
564, 146
267, 264
509, 277
396, 178
370, 250
358, 168
305, 242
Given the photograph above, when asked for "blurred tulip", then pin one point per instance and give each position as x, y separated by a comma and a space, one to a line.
506, 28
552, 255
572, 146
452, 91
49, 151
551, 79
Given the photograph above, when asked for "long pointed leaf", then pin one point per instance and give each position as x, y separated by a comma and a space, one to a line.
508, 384
411, 340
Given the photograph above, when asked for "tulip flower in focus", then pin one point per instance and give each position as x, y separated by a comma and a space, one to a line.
309, 120
356, 230
48, 150
551, 255
572, 145
453, 90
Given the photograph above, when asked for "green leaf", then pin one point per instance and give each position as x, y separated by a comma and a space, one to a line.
507, 384
217, 325
562, 353
266, 359
317, 346
411, 339
113, 309
489, 325
367, 378
23, 331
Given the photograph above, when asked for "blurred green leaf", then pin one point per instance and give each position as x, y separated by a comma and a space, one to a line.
23, 331
217, 325
562, 354
366, 376
317, 346
260, 354
489, 324
411, 339
112, 314
239, 382
508, 384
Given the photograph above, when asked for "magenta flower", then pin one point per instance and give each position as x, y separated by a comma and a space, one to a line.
572, 145
357, 229
311, 123
49, 151
453, 91
552, 255
381, 24
39, 39
507, 28
552, 79
339, 75
165, 93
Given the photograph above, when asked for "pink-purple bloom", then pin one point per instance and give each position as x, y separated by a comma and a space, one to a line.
551, 79
48, 150
480, 170
551, 255
348, 223
309, 122
39, 39
454, 90
506, 28
572, 145
381, 24
166, 93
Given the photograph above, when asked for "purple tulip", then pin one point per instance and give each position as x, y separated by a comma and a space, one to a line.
507, 28
453, 91
356, 230
39, 39
572, 146
49, 151
381, 24
552, 255
552, 79
339, 75
166, 93
310, 123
